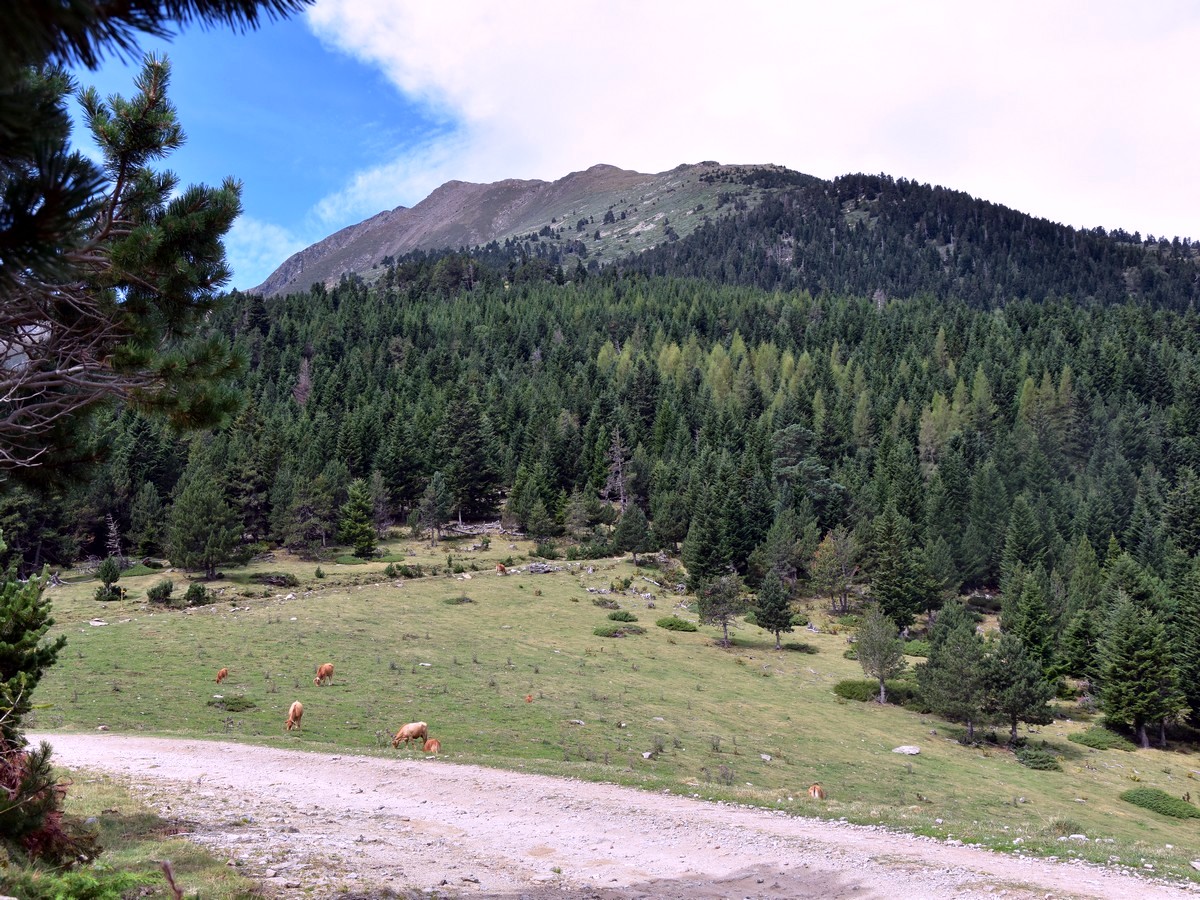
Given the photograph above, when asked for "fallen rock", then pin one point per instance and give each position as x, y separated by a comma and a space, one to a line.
907, 750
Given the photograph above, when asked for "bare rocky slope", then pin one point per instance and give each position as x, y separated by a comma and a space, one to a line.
462, 214
318, 825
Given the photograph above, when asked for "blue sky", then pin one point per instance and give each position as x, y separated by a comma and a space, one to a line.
1081, 112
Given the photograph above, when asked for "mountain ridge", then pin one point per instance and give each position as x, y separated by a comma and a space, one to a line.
469, 214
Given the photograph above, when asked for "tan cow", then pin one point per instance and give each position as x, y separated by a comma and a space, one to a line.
222, 675
324, 674
295, 714
413, 731
433, 745
816, 791
500, 570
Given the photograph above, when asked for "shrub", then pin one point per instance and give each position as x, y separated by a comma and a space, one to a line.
605, 603
233, 704
1100, 738
197, 595
750, 618
1161, 802
853, 620
276, 579
865, 690
547, 550
406, 571
674, 623
107, 593
590, 550
799, 620
109, 572
618, 630
1040, 757
800, 647
161, 592
851, 653
622, 615
93, 883
320, 573
916, 648
459, 600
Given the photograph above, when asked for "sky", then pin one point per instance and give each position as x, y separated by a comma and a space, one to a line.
1083, 113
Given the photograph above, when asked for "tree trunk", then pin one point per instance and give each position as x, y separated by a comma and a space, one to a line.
882, 691
1162, 734
970, 732
1142, 736
725, 631
1012, 735
778, 646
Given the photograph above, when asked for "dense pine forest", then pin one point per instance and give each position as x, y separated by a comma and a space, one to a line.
1040, 455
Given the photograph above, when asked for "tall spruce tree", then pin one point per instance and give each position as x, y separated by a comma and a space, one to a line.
357, 522
1139, 683
951, 681
772, 607
203, 528
1015, 687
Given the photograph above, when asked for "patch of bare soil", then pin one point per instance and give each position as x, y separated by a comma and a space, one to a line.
317, 825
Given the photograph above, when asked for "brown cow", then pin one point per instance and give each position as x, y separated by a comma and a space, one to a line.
529, 698
816, 791
295, 714
433, 745
500, 570
222, 675
413, 731
324, 674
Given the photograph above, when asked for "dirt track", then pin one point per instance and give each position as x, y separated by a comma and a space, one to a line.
313, 825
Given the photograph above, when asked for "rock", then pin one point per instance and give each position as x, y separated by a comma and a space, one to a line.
766, 757
102, 728
1196, 864
1077, 837
907, 750
575, 721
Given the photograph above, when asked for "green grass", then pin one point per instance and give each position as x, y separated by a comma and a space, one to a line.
135, 840
406, 651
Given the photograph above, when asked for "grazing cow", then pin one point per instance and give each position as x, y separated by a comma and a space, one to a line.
413, 731
295, 714
816, 791
433, 745
529, 698
500, 570
324, 674
222, 675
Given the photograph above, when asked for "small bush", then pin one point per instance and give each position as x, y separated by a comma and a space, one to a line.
1100, 738
864, 691
233, 704
851, 653
458, 601
1040, 757
275, 579
198, 595
407, 571
916, 648
92, 883
799, 620
674, 623
590, 550
108, 593
853, 620
618, 630
1161, 802
800, 647
320, 573
605, 603
161, 592
622, 615
547, 550
750, 618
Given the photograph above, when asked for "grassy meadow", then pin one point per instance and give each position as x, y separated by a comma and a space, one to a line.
660, 710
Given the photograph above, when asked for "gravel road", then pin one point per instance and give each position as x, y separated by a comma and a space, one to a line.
318, 825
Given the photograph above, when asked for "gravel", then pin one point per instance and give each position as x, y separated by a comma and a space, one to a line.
312, 824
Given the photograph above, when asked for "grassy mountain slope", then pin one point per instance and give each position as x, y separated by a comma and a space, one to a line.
559, 213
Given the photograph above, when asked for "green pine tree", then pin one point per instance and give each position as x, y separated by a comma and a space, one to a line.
879, 648
203, 528
632, 532
951, 680
357, 522
1139, 683
773, 608
1015, 687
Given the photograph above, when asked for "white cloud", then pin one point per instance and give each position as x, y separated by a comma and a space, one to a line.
255, 248
1080, 112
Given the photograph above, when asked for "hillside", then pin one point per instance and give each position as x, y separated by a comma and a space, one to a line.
566, 214
861, 235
